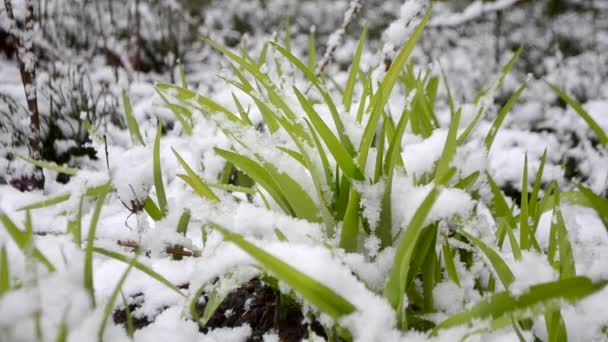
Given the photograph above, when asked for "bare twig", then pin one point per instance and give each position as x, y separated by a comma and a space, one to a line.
169, 250
336, 37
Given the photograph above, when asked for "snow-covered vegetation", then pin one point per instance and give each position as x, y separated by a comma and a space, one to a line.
321, 170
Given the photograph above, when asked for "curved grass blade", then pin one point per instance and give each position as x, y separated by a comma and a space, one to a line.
449, 149
344, 139
396, 67
489, 140
338, 151
110, 304
50, 166
595, 127
5, 272
260, 175
136, 137
141, 267
158, 175
88, 252
347, 98
314, 292
596, 202
500, 267
501, 307
396, 284
152, 209
195, 181
90, 192
207, 106
22, 240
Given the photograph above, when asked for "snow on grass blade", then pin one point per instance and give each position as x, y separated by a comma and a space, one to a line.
347, 99
88, 252
314, 292
22, 240
396, 284
50, 166
582, 113
195, 181
489, 140
141, 267
500, 267
157, 171
107, 311
500, 307
338, 151
136, 137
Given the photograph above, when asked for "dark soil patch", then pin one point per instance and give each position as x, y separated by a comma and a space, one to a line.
255, 303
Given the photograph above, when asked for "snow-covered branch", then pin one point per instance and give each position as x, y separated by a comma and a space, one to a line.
337, 36
475, 10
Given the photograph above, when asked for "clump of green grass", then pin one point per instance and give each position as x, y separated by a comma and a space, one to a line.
424, 252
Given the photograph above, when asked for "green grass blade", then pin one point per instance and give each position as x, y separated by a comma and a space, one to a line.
350, 226
204, 104
500, 267
88, 252
314, 292
397, 65
46, 203
467, 132
136, 137
141, 267
582, 113
234, 188
532, 206
449, 149
5, 272
566, 258
182, 114
489, 140
130, 324
312, 51
260, 175
396, 284
22, 240
467, 182
152, 209
524, 227
107, 311
195, 181
244, 115
597, 202
450, 266
50, 166
354, 70
158, 176
338, 151
501, 306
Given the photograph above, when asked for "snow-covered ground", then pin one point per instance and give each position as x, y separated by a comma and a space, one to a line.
467, 44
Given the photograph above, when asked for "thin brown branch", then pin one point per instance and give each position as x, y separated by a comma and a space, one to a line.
169, 250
